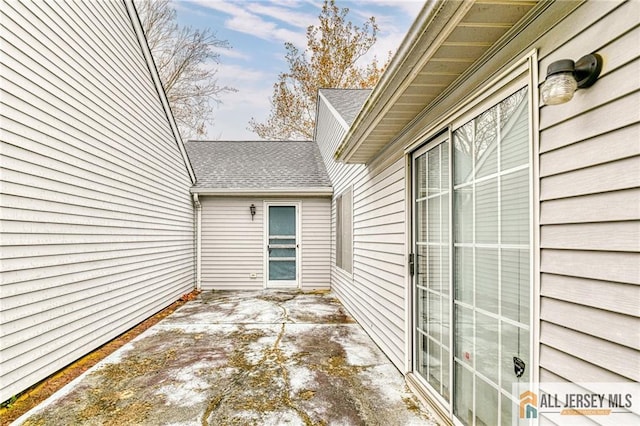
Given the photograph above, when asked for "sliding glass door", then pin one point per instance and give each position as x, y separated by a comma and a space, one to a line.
472, 272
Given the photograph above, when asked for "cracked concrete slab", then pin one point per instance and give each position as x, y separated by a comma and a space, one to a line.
242, 358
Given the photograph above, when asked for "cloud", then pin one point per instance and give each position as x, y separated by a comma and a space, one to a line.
231, 53
238, 73
231, 117
411, 8
289, 15
248, 18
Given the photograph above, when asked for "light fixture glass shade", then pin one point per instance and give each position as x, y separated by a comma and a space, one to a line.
558, 88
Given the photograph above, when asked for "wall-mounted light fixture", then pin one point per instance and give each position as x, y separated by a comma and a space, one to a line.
252, 209
565, 77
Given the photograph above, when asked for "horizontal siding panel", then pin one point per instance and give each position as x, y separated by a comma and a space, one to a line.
606, 34
602, 149
606, 266
614, 297
577, 22
61, 286
614, 176
20, 310
316, 244
387, 273
66, 127
382, 255
76, 188
71, 169
574, 369
622, 113
67, 259
97, 219
606, 207
70, 345
16, 282
34, 205
387, 248
613, 327
616, 358
74, 71
232, 243
67, 315
81, 199
385, 333
605, 236
377, 219
372, 295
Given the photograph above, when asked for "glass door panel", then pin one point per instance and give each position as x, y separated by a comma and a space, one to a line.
470, 325
431, 280
492, 257
282, 247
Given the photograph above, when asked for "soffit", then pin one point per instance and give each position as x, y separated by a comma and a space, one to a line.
448, 42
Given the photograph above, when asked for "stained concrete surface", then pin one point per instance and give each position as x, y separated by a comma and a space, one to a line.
242, 358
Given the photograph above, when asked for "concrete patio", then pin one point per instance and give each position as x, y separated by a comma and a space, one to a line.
242, 358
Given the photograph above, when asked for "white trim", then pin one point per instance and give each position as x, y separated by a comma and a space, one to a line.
268, 284
434, 397
408, 279
333, 111
198, 224
271, 192
534, 99
153, 70
439, 18
349, 189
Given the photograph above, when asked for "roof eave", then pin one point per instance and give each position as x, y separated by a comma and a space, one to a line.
322, 191
431, 63
431, 14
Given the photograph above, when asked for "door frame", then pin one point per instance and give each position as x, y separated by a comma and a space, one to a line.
269, 284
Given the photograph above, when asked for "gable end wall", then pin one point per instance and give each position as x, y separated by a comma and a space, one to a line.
97, 219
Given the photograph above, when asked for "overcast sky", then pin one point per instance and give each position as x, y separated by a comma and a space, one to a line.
257, 31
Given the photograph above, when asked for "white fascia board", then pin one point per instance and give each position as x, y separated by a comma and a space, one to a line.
333, 111
398, 75
153, 70
269, 192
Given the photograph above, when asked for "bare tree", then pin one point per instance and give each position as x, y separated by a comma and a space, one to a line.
185, 59
329, 61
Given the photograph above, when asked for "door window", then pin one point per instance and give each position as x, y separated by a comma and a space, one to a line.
282, 244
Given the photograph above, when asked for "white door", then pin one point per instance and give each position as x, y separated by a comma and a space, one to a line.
282, 245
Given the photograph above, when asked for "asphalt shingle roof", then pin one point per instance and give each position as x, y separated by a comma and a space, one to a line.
257, 164
347, 102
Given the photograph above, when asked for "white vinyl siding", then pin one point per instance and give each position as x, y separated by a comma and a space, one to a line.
97, 220
233, 245
316, 243
374, 293
589, 203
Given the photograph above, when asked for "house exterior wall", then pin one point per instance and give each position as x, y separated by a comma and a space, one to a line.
97, 219
374, 292
233, 245
586, 202
590, 204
